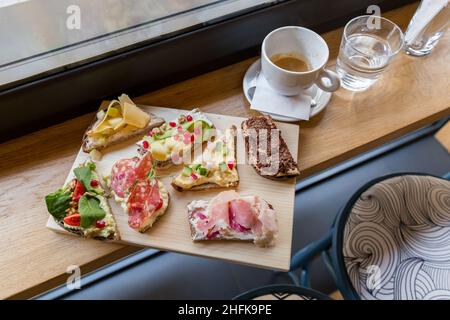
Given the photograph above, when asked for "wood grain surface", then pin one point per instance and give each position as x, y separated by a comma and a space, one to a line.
172, 233
443, 136
412, 93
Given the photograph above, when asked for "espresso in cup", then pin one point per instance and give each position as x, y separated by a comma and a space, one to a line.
294, 58
291, 61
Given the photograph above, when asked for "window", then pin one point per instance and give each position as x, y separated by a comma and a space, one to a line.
41, 36
59, 58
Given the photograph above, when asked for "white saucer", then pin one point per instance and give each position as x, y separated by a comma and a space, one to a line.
318, 103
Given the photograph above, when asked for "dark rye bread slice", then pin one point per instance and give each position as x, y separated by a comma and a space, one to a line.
90, 143
285, 167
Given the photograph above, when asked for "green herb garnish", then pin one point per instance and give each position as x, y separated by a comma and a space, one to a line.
84, 175
202, 171
57, 203
90, 210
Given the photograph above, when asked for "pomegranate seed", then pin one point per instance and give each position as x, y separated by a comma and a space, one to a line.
180, 129
172, 124
231, 165
189, 117
94, 183
194, 176
192, 138
100, 224
145, 144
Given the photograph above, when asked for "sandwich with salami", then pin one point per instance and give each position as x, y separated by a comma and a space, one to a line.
135, 187
81, 207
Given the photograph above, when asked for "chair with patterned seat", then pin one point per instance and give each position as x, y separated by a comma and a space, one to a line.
390, 241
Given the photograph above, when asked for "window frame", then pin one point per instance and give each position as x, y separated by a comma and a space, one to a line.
71, 92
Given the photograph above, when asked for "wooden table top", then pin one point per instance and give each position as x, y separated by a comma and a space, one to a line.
412, 93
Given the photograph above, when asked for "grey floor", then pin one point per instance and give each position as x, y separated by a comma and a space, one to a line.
176, 276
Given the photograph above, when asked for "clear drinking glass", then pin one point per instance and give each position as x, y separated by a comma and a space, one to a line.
368, 45
427, 26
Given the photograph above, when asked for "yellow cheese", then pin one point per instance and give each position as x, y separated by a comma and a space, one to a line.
125, 98
113, 122
103, 125
134, 116
103, 128
114, 112
120, 114
159, 151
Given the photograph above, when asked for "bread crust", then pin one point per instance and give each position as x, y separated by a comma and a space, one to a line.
115, 237
89, 144
205, 186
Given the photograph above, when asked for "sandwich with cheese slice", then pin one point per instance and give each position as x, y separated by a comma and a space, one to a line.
230, 216
116, 121
215, 168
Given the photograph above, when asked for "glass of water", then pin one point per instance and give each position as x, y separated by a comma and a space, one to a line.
368, 45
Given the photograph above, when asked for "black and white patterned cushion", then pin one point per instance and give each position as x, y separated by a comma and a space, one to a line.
397, 239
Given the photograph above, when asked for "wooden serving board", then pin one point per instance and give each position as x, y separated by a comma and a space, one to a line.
171, 232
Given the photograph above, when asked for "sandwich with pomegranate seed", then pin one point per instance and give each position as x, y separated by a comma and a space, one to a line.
173, 142
81, 207
215, 168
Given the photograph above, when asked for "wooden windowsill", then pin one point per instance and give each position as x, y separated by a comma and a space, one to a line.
411, 94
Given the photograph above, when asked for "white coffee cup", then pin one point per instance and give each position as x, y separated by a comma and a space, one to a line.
305, 43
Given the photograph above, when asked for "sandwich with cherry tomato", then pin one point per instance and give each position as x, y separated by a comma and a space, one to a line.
81, 206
